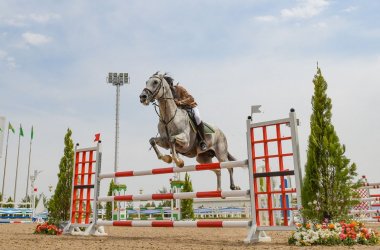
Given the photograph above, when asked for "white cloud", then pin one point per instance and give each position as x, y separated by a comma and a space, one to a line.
320, 25
43, 18
350, 9
305, 9
268, 18
17, 21
10, 61
24, 20
3, 54
35, 39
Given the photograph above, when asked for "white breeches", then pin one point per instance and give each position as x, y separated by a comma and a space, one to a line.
197, 116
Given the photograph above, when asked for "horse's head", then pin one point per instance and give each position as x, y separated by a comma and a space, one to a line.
156, 88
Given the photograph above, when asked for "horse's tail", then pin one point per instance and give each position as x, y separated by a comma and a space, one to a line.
231, 157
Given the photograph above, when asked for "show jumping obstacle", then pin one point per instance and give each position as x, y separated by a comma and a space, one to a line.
368, 209
267, 143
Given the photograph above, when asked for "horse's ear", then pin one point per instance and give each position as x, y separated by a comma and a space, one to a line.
157, 72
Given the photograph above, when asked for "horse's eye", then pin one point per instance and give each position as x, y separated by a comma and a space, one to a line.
155, 82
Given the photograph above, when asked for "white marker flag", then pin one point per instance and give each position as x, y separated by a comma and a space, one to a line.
2, 133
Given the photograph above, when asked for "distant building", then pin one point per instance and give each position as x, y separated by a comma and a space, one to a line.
233, 207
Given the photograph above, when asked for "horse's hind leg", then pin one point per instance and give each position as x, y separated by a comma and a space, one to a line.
203, 159
232, 183
224, 158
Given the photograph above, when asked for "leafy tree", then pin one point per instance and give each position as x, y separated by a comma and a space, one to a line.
187, 211
164, 203
328, 186
129, 204
9, 205
109, 204
27, 199
59, 204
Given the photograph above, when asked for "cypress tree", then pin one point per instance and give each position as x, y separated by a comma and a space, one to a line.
187, 211
59, 204
328, 185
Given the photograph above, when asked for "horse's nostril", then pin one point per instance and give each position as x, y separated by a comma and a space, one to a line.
143, 96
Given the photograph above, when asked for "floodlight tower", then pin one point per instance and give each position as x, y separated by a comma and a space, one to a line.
118, 80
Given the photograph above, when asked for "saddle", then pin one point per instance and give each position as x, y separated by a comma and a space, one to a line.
207, 127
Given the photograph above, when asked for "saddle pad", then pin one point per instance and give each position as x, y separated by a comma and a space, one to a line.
207, 127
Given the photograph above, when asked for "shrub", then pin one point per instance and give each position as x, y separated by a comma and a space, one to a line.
46, 228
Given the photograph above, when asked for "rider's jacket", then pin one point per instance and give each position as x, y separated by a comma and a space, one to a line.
183, 99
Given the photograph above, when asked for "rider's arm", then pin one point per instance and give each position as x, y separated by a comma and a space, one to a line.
184, 98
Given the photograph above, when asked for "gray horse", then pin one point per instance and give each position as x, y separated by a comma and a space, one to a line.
177, 133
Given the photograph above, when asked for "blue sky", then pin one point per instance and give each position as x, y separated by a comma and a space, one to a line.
54, 57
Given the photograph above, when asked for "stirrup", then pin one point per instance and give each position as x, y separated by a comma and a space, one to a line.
203, 145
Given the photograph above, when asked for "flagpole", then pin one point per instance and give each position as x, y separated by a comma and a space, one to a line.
27, 177
5, 165
18, 154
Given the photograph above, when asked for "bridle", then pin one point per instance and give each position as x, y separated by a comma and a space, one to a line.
152, 96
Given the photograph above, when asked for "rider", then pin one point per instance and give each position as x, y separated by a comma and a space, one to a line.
186, 101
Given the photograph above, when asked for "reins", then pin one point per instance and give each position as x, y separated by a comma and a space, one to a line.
162, 97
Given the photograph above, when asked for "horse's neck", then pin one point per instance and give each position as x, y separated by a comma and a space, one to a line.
167, 109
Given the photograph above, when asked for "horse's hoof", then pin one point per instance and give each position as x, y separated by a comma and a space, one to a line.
234, 187
167, 158
180, 163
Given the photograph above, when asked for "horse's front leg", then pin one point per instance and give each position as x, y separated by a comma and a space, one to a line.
179, 140
162, 143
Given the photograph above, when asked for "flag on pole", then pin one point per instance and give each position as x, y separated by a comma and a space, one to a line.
2, 125
30, 153
21, 131
10, 127
97, 137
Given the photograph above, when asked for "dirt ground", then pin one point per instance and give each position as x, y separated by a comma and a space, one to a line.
20, 236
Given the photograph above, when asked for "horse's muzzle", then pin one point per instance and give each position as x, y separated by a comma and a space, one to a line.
144, 98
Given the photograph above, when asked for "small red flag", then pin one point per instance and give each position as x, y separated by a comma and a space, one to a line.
35, 189
97, 137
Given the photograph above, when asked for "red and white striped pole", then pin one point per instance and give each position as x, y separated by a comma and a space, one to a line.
221, 224
170, 170
170, 196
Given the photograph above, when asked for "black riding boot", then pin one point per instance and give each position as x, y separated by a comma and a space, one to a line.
201, 133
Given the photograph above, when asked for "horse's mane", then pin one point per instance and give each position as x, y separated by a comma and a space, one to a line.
169, 80
166, 76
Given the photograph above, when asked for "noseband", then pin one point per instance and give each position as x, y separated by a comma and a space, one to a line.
154, 94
